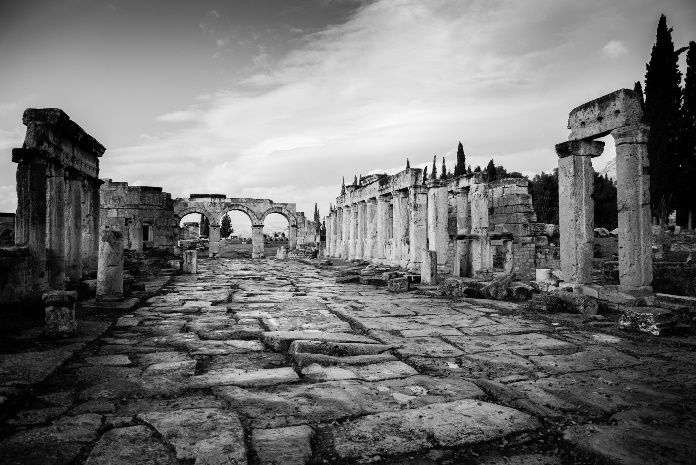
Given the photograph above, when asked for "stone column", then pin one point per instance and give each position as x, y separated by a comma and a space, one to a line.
190, 262
135, 235
480, 246
338, 219
329, 232
214, 241
30, 222
461, 258
401, 229
382, 227
335, 240
360, 231
576, 215
353, 230
73, 226
60, 313
110, 269
371, 235
292, 239
438, 237
345, 249
90, 225
463, 213
257, 241
418, 230
633, 186
429, 268
55, 219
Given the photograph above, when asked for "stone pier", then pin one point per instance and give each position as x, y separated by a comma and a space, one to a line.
110, 270
257, 245
73, 227
60, 313
190, 262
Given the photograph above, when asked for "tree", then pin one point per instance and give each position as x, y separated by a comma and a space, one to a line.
425, 174
433, 175
544, 190
408, 164
443, 174
687, 144
226, 226
460, 166
605, 208
343, 186
477, 169
491, 171
317, 219
662, 113
204, 226
638, 89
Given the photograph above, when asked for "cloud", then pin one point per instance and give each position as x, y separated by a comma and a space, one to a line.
213, 13
9, 107
178, 116
111, 7
614, 49
10, 139
8, 199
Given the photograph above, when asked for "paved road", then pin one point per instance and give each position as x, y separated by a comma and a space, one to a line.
273, 362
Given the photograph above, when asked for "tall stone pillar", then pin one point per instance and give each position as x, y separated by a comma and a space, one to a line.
633, 179
480, 245
335, 239
371, 235
30, 222
353, 230
461, 252
576, 215
418, 230
360, 231
438, 237
90, 225
135, 235
110, 269
401, 228
339, 232
73, 226
345, 249
257, 241
214, 241
463, 212
55, 219
382, 227
329, 234
292, 239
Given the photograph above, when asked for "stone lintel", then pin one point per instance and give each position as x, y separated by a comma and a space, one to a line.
579, 148
601, 116
419, 189
28, 155
57, 117
637, 134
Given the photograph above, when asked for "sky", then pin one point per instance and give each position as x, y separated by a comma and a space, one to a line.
281, 99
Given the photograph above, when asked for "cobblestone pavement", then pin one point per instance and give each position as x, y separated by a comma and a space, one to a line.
273, 362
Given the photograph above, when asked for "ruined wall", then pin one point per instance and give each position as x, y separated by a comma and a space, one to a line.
144, 214
7, 228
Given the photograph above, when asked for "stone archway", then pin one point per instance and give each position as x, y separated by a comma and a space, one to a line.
292, 223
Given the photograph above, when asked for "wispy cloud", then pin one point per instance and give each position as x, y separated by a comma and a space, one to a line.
615, 48
8, 199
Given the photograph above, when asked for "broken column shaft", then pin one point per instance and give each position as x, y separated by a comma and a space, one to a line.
110, 270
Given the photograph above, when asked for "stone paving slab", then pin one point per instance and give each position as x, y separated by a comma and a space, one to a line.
31, 367
128, 446
281, 340
446, 425
529, 343
236, 377
287, 446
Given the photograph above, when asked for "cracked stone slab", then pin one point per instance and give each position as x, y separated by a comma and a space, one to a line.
236, 377
528, 344
109, 360
383, 371
286, 446
180, 368
32, 367
127, 446
420, 346
206, 436
281, 340
451, 424
594, 358
132, 407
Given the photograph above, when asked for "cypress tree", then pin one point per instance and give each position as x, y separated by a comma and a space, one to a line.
226, 226
460, 166
433, 175
638, 89
408, 164
425, 174
662, 113
491, 171
443, 175
355, 180
688, 142
343, 186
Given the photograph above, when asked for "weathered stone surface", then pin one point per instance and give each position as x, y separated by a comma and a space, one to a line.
498, 289
317, 373
283, 446
578, 303
109, 360
127, 446
235, 377
32, 367
305, 359
382, 371
180, 368
446, 425
545, 303
60, 313
206, 436
190, 262
110, 269
398, 285
651, 320
281, 340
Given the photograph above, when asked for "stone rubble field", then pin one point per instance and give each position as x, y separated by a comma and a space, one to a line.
273, 362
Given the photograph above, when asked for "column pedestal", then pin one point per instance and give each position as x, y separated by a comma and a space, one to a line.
60, 313
190, 262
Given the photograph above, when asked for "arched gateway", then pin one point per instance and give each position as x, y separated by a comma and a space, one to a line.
214, 206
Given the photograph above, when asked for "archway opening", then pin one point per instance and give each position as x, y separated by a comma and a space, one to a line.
604, 195
194, 229
276, 233
235, 242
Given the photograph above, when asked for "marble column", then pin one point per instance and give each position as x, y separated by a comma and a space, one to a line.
292, 236
360, 231
345, 247
353, 230
329, 235
110, 268
633, 188
135, 235
480, 245
382, 228
401, 228
55, 231
335, 233
339, 232
30, 222
190, 262
418, 230
73, 226
257, 241
213, 241
461, 251
90, 225
438, 237
576, 215
371, 242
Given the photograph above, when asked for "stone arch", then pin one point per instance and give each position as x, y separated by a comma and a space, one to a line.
195, 209
292, 220
239, 207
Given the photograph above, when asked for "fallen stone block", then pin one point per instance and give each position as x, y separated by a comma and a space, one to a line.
397, 285
545, 303
244, 378
281, 340
650, 320
519, 291
348, 279
578, 303
373, 281
498, 289
60, 313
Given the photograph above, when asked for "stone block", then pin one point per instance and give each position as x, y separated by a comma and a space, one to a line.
190, 262
373, 280
429, 267
289, 446
650, 320
397, 285
60, 313
601, 116
110, 267
545, 303
498, 289
578, 303
348, 279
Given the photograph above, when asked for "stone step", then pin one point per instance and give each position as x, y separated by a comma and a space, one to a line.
304, 359
281, 340
244, 378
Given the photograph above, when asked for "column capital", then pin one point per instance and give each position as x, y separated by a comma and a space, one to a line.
631, 134
579, 148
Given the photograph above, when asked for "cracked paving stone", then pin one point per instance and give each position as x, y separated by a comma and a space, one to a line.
109, 360
129, 446
281, 340
283, 446
235, 377
180, 368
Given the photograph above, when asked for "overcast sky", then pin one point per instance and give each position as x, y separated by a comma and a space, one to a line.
280, 99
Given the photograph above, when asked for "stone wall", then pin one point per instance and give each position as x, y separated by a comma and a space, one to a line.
7, 228
16, 268
144, 214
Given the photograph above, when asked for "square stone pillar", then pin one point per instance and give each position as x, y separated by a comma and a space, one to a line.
576, 213
397, 226
110, 269
55, 219
418, 229
463, 212
429, 268
345, 249
292, 236
480, 246
30, 222
360, 231
214, 241
371, 234
135, 235
60, 313
90, 225
438, 236
633, 189
353, 230
382, 227
73, 226
257, 241
401, 230
190, 262
338, 221
329, 235
461, 258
